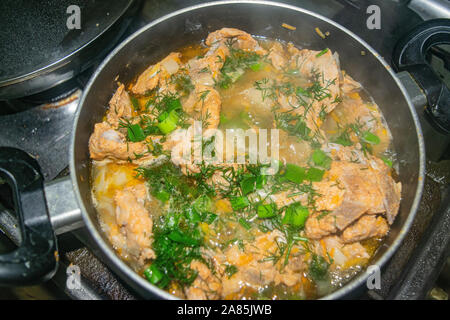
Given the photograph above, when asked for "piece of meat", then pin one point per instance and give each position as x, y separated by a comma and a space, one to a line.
243, 40
105, 142
154, 74
206, 69
348, 85
354, 110
285, 198
206, 286
362, 191
277, 56
134, 222
366, 227
119, 107
320, 225
390, 190
325, 67
351, 190
255, 270
331, 195
350, 153
204, 104
350, 209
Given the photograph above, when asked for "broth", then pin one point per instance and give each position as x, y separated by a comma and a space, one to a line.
233, 231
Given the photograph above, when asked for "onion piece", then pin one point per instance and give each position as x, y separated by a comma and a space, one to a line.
111, 135
171, 66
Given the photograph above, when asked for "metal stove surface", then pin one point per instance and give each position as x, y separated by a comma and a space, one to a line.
44, 131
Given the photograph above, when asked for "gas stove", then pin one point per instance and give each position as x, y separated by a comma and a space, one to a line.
41, 124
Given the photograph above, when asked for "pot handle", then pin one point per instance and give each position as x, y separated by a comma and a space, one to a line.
35, 260
409, 55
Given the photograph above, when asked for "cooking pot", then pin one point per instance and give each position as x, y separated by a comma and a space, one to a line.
46, 210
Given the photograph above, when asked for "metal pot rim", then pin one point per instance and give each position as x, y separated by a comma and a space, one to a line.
341, 292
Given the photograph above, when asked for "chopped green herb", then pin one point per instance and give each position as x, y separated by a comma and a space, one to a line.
320, 158
387, 161
296, 215
153, 274
266, 211
168, 121
318, 267
294, 173
369, 137
261, 181
180, 237
256, 66
248, 185
135, 133
314, 174
162, 195
321, 53
135, 103
230, 270
245, 223
238, 203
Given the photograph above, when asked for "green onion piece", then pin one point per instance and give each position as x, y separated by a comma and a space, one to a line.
296, 216
321, 159
153, 274
169, 122
261, 181
238, 203
248, 185
294, 173
344, 140
265, 211
173, 104
179, 237
301, 92
371, 138
162, 195
256, 67
314, 174
387, 161
163, 116
193, 215
321, 53
245, 223
223, 119
135, 133
203, 204
244, 115
209, 217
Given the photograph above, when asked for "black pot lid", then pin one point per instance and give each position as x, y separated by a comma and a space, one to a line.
35, 38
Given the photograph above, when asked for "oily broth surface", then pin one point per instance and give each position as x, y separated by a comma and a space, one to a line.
243, 108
